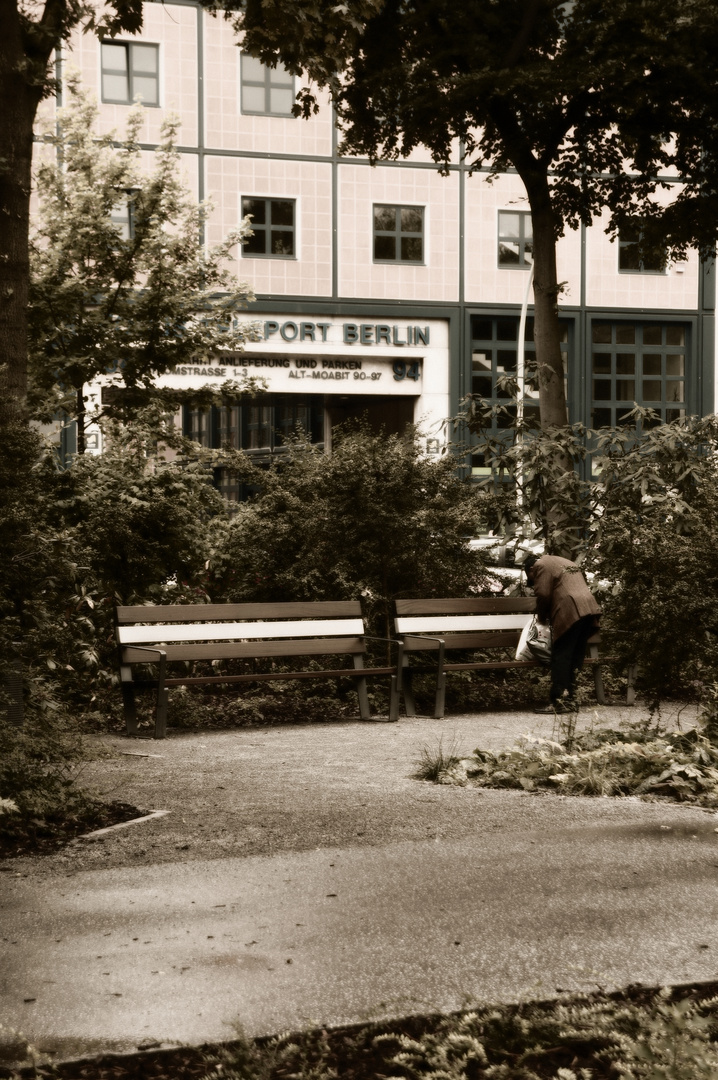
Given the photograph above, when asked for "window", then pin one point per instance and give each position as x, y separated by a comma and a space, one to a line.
259, 427
516, 243
633, 257
266, 91
130, 70
398, 234
273, 226
637, 362
123, 214
493, 352
494, 349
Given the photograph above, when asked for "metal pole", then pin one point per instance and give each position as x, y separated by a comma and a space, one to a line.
520, 385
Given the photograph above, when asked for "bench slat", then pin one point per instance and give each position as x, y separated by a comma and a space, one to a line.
330, 673
467, 605
499, 639
237, 650
259, 631
195, 613
436, 624
513, 663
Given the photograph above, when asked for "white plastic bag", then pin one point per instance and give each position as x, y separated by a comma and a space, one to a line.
535, 642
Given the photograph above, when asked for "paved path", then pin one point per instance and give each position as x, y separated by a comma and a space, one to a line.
512, 896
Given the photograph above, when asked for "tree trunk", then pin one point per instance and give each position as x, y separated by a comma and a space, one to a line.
547, 339
21, 97
547, 331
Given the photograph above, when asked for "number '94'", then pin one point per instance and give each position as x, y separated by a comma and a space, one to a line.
404, 370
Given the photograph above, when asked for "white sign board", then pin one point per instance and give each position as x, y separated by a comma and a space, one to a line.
320, 355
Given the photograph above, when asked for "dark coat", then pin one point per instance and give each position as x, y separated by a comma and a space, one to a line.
562, 595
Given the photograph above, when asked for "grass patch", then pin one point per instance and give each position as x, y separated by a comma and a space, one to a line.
437, 764
638, 1034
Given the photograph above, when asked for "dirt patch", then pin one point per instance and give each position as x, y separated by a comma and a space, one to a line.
267, 790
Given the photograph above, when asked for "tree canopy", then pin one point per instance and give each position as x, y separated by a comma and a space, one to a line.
29, 34
596, 104
120, 279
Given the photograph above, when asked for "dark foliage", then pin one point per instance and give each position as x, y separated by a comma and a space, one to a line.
374, 519
530, 1041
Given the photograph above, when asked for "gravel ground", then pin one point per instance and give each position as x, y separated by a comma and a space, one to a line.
269, 790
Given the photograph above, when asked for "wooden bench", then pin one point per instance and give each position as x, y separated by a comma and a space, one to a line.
485, 624
185, 633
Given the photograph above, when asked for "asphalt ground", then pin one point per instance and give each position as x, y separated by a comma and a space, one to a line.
302, 876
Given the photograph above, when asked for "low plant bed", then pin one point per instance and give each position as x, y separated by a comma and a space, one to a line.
639, 1033
21, 834
679, 766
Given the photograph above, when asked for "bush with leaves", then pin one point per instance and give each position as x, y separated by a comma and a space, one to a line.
653, 545
41, 580
376, 519
141, 519
133, 524
643, 525
43, 617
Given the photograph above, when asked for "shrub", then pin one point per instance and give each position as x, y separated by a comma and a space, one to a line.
140, 519
643, 523
375, 519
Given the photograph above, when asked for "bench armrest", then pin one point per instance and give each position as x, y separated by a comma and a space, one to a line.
387, 640
146, 648
424, 637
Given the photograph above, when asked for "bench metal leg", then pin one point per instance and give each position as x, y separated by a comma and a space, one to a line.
394, 696
597, 675
440, 702
396, 683
161, 714
364, 710
407, 686
401, 686
162, 701
129, 705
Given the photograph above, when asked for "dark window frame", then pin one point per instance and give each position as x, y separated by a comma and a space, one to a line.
267, 228
525, 241
616, 362
627, 245
130, 73
398, 234
260, 427
269, 83
494, 354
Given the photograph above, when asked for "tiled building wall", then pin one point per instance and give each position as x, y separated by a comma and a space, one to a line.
436, 278
226, 128
309, 273
174, 28
272, 156
606, 286
228, 155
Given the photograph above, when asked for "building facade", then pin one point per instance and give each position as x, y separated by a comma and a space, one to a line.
389, 291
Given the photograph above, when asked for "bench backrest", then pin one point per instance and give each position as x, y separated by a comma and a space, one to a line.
216, 631
464, 623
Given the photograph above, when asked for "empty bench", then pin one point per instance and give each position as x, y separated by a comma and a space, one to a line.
489, 625
169, 635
